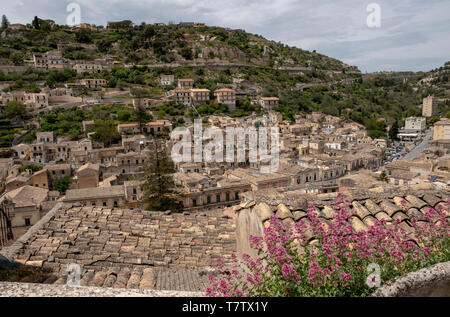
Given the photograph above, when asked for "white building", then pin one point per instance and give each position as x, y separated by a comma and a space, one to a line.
418, 124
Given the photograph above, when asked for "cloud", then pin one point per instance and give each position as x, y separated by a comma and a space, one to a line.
413, 35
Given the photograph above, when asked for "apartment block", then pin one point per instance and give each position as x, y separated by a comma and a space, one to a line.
93, 83
430, 106
167, 80
199, 96
227, 97
185, 83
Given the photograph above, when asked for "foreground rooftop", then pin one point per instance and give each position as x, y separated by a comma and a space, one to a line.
120, 248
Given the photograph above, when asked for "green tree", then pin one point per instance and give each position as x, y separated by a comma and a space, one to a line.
17, 58
393, 131
5, 22
62, 184
106, 132
159, 187
186, 52
32, 167
139, 110
104, 45
14, 109
383, 177
83, 36
124, 115
36, 23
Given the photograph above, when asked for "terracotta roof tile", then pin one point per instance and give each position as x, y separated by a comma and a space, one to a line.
382, 215
415, 202
283, 212
372, 206
401, 202
432, 200
389, 207
369, 220
361, 211
357, 224
415, 213
299, 215
328, 212
400, 215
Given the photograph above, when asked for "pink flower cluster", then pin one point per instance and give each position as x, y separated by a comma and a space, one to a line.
315, 257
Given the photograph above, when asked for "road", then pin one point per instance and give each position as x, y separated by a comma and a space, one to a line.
417, 151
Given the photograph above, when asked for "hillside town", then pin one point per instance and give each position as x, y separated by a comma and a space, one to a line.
81, 192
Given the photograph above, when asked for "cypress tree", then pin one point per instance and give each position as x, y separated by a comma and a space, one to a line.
159, 187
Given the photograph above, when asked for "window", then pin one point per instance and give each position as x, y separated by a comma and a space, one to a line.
299, 180
27, 222
194, 202
208, 199
104, 204
116, 204
218, 198
134, 191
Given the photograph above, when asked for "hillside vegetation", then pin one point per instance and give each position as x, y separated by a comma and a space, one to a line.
217, 57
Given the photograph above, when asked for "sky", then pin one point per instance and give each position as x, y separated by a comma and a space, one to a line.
412, 35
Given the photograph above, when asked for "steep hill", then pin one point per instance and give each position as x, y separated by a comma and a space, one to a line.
147, 44
218, 57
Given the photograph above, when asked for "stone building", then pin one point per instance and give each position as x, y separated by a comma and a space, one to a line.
185, 83
441, 130
268, 103
259, 180
111, 196
40, 179
93, 83
430, 106
199, 96
167, 80
45, 137
87, 176
81, 68
27, 204
131, 163
227, 97
181, 96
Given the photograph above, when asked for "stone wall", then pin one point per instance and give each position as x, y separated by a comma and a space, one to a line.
11, 68
45, 290
433, 281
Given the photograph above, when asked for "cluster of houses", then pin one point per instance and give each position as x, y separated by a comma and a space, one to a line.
62, 94
186, 94
99, 176
54, 60
316, 151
